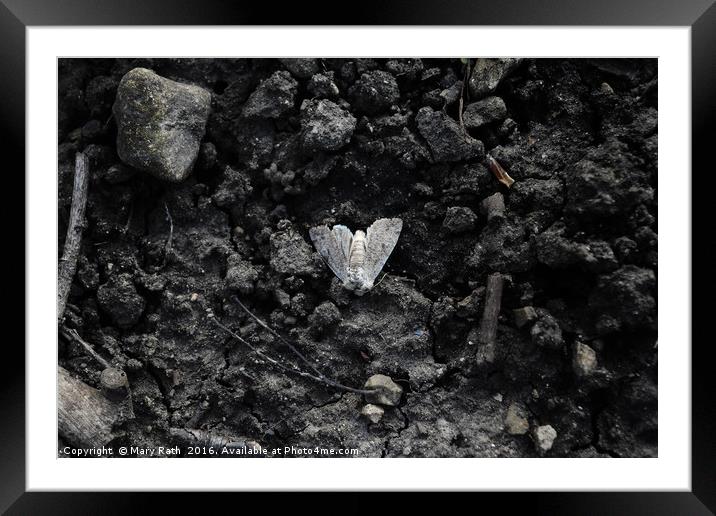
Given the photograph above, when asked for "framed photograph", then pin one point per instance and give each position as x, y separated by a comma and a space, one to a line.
436, 248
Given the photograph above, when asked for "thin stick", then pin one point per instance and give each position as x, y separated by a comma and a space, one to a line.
72, 334
168, 245
294, 369
68, 263
278, 336
461, 100
459, 115
381, 279
129, 218
467, 78
487, 333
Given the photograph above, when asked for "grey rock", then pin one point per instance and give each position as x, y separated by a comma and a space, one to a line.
558, 252
325, 126
255, 142
584, 359
606, 182
484, 112
160, 123
119, 299
387, 392
487, 73
471, 306
374, 92
321, 85
452, 94
407, 69
544, 437
516, 422
302, 67
447, 141
459, 219
323, 317
272, 98
240, 274
372, 413
546, 332
290, 254
524, 316
233, 190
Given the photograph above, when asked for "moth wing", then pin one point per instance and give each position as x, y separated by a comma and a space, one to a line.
381, 238
330, 250
344, 237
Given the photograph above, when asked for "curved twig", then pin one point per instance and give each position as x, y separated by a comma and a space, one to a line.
321, 378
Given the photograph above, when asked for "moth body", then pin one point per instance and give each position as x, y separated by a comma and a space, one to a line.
357, 252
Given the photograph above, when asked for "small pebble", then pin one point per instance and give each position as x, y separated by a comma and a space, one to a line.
544, 437
516, 422
372, 413
387, 392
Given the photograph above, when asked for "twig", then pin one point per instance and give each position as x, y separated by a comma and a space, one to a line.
72, 334
499, 172
68, 262
493, 206
381, 279
467, 78
461, 100
129, 218
85, 418
278, 336
321, 378
487, 333
168, 245
459, 114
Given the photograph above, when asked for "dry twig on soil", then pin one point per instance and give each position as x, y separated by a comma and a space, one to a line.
317, 377
168, 245
71, 334
73, 240
499, 172
490, 315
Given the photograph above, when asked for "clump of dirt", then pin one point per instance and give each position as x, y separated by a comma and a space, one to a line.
290, 144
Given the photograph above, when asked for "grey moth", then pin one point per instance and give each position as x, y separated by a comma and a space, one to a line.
357, 259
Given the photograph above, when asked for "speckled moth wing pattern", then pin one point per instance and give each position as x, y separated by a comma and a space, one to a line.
333, 246
381, 238
344, 237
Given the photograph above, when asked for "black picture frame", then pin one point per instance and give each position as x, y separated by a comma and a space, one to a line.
17, 15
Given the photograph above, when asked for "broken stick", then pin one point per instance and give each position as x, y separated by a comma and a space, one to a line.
499, 172
493, 206
71, 334
487, 334
70, 252
85, 418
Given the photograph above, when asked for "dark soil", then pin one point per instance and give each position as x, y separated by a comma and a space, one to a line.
578, 243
